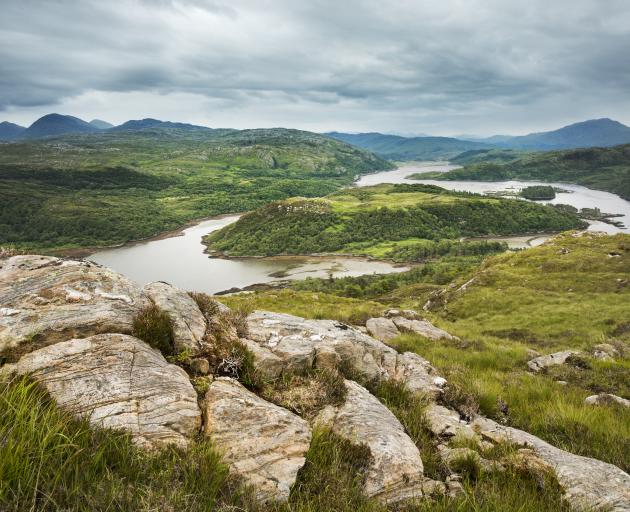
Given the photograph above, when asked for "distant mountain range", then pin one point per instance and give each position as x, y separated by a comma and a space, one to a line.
592, 133
396, 147
52, 125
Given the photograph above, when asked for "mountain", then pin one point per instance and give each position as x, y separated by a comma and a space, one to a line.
57, 124
100, 124
150, 123
592, 133
396, 147
10, 131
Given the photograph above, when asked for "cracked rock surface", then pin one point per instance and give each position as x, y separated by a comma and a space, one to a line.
263, 443
46, 300
118, 381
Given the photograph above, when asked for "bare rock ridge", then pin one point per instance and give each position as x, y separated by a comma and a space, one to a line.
66, 324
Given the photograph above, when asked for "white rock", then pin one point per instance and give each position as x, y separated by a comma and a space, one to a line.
396, 471
539, 363
588, 483
422, 327
606, 398
263, 443
382, 328
46, 300
118, 381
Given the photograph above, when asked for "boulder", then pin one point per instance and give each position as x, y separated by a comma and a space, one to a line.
382, 328
423, 328
46, 300
588, 483
118, 381
606, 398
189, 324
605, 351
540, 363
264, 444
395, 472
302, 344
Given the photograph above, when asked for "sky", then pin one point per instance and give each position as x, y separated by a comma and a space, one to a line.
404, 66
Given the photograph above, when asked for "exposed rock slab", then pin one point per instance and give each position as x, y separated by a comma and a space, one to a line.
423, 328
607, 398
540, 363
189, 324
396, 471
118, 381
263, 443
45, 300
588, 483
383, 329
302, 344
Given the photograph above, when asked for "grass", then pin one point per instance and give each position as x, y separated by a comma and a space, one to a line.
307, 305
50, 461
307, 393
155, 327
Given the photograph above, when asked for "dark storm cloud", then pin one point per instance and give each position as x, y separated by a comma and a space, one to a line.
453, 65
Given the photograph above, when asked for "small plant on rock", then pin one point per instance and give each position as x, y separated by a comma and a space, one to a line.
155, 327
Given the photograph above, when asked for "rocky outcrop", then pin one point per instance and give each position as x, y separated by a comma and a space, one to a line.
588, 483
423, 328
540, 363
118, 381
396, 471
189, 324
396, 322
606, 398
46, 300
303, 344
445, 423
382, 328
263, 443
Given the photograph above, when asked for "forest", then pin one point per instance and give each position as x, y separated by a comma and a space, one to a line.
334, 223
108, 188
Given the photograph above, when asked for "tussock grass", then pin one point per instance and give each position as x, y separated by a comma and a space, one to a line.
155, 327
306, 393
50, 461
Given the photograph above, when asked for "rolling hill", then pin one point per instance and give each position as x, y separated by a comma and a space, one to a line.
100, 124
10, 131
395, 147
56, 124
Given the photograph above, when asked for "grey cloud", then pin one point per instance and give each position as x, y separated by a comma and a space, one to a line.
400, 65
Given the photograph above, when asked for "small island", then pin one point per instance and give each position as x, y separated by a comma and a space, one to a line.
538, 193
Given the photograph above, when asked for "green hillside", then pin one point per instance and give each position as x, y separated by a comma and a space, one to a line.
366, 219
600, 168
111, 187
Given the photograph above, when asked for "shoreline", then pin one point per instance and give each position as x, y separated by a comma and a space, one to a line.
84, 252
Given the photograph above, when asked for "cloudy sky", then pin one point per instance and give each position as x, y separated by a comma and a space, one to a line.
411, 66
